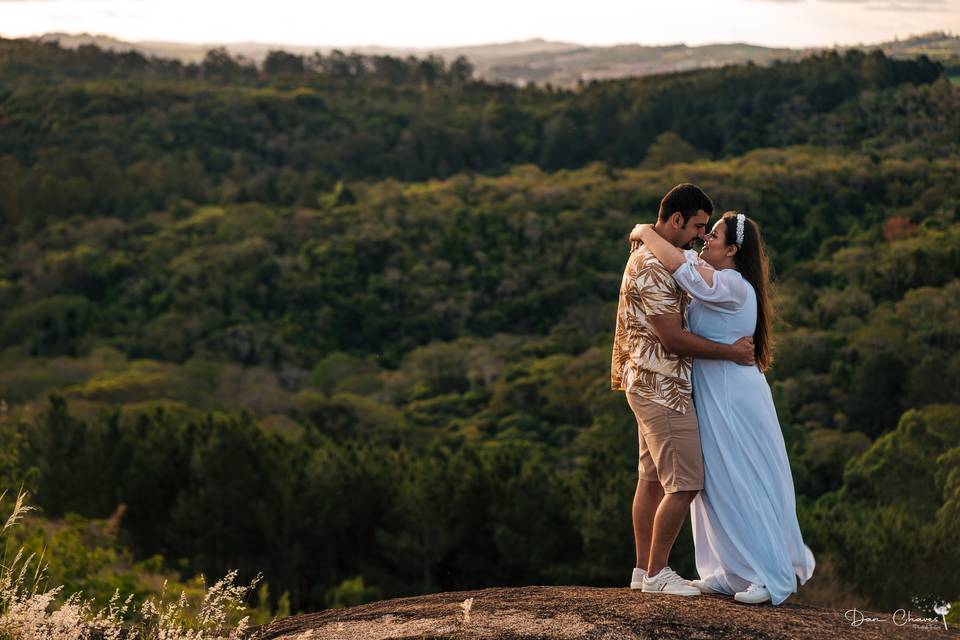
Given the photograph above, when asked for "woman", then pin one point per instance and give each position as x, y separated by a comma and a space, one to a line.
745, 528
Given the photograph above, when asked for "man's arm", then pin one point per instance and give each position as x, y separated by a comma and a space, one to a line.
683, 343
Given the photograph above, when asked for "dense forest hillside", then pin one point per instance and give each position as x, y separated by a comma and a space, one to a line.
347, 320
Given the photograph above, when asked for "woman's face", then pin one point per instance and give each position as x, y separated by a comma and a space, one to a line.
714, 251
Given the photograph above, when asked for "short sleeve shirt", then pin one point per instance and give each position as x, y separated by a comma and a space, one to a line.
640, 363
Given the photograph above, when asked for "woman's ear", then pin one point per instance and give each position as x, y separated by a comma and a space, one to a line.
732, 250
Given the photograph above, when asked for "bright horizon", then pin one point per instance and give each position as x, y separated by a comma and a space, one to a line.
434, 24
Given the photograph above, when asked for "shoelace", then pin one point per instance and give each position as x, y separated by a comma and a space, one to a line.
671, 576
754, 587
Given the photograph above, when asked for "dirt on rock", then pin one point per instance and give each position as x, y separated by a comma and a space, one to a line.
582, 613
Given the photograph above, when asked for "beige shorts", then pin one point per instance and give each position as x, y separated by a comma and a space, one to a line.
669, 445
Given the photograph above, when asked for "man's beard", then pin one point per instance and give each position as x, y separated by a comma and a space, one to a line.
690, 245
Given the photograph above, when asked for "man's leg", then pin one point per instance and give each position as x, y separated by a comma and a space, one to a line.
649, 492
673, 440
646, 500
666, 527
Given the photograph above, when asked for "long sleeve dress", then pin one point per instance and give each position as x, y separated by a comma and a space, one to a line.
744, 521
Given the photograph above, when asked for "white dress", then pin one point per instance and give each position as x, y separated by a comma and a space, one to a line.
744, 521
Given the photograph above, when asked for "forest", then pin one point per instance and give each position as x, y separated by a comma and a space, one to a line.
346, 320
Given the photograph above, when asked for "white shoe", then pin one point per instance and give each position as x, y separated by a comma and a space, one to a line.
667, 581
755, 594
709, 585
636, 581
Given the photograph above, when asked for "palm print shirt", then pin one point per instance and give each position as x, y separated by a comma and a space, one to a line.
640, 363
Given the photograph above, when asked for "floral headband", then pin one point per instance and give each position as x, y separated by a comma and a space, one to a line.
740, 219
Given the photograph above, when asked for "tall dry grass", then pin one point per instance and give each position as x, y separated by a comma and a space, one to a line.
31, 612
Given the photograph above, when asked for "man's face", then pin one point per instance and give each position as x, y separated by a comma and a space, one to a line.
694, 230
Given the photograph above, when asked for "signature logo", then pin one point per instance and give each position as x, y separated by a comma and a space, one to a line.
900, 617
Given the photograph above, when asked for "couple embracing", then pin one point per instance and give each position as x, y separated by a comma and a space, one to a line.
693, 337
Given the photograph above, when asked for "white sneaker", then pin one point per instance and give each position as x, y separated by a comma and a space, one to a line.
636, 581
709, 585
667, 581
755, 594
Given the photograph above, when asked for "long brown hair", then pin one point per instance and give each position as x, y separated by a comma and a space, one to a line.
751, 260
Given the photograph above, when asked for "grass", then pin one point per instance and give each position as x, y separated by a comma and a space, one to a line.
28, 612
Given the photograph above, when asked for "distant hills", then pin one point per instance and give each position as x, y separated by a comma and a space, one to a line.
542, 61
352, 329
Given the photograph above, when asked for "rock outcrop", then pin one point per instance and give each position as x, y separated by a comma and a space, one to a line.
581, 613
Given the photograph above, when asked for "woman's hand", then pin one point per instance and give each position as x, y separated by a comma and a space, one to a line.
636, 236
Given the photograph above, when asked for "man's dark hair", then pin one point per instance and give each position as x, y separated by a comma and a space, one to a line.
686, 198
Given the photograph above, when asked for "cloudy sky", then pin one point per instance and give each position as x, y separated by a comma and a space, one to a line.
434, 23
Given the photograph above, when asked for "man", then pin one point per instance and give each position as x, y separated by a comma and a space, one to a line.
652, 363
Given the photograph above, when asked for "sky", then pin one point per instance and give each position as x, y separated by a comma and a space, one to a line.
439, 23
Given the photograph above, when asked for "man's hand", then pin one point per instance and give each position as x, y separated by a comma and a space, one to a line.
677, 340
742, 351
635, 236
